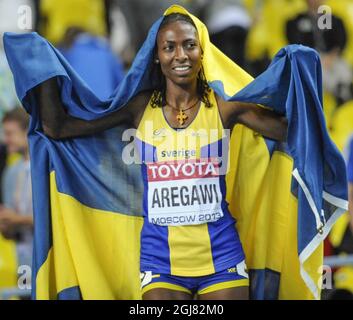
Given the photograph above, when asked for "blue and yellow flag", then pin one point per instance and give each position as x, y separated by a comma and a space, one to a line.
88, 202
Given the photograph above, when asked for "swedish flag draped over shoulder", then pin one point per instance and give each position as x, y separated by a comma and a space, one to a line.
88, 203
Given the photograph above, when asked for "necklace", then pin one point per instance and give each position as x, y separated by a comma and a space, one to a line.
182, 117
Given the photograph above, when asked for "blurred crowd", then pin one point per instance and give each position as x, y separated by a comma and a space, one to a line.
100, 39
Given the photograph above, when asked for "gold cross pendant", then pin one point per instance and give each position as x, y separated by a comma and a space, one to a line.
181, 117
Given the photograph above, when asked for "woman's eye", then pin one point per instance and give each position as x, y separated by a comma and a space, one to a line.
191, 45
168, 48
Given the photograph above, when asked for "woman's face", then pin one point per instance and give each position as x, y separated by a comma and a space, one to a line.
179, 52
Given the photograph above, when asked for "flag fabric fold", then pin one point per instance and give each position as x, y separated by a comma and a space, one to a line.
88, 202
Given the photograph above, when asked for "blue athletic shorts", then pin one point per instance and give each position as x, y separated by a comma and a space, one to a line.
230, 278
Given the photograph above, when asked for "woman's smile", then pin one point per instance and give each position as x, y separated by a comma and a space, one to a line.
182, 70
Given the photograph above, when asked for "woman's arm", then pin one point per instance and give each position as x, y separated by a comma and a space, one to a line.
57, 124
261, 120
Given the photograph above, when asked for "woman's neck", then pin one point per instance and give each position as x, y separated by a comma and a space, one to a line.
181, 96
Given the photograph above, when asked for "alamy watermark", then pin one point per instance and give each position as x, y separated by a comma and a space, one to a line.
24, 17
188, 144
24, 277
325, 17
325, 281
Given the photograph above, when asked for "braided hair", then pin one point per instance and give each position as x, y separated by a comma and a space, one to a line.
158, 98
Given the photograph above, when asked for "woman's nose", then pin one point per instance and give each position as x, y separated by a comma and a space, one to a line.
180, 54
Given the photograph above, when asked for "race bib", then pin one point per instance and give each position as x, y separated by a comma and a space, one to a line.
184, 192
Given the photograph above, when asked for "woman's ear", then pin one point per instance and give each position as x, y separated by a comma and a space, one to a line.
155, 56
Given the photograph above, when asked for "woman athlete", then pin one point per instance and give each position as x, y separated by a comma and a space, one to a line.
189, 245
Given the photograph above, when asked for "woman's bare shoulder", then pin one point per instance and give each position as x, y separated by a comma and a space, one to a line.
137, 105
140, 100
223, 103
